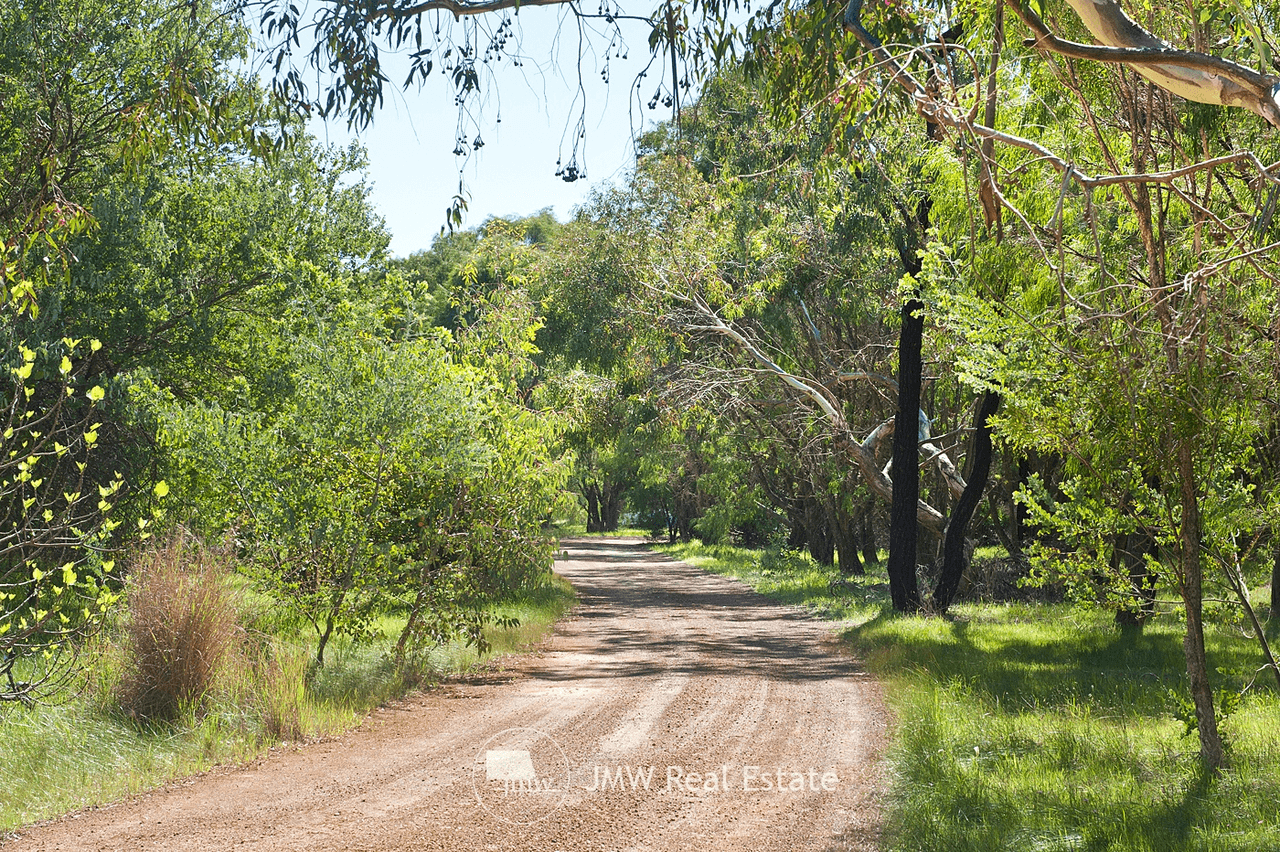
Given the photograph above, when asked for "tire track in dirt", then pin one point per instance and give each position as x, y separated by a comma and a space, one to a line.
663, 667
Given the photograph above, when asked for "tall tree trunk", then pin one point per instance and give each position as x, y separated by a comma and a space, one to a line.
867, 534
1275, 576
1192, 598
1130, 554
821, 545
903, 586
610, 506
822, 549
592, 493
953, 556
797, 532
846, 542
1020, 513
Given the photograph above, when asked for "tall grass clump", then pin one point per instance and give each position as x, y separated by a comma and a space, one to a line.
181, 628
283, 693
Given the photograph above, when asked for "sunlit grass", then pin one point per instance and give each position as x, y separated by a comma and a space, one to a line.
799, 581
58, 759
535, 611
1045, 727
570, 529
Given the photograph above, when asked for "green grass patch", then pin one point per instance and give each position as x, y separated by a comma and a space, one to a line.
1044, 727
535, 610
577, 529
57, 758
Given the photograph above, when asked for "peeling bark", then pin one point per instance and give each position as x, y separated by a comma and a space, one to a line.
861, 453
1199, 77
986, 185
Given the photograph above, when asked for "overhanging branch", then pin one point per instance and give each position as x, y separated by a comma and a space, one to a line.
457, 8
1195, 76
861, 453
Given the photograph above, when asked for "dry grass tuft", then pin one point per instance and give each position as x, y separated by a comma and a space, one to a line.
181, 629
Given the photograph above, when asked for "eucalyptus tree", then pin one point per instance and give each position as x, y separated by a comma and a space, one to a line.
1142, 284
88, 87
784, 254
346, 42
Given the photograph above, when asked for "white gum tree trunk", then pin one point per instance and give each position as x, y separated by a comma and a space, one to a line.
1195, 76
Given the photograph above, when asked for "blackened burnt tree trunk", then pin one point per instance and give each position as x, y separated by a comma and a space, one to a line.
954, 562
903, 529
1275, 577
904, 588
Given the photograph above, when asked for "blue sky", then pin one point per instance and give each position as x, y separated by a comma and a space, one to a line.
415, 174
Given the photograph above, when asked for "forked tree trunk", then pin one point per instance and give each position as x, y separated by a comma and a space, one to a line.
411, 623
325, 633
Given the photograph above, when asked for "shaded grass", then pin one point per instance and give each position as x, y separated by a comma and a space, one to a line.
84, 751
1046, 727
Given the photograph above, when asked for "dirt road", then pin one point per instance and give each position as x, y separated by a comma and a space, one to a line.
675, 710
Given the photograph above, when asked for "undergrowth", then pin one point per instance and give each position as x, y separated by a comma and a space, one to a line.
1045, 726
180, 630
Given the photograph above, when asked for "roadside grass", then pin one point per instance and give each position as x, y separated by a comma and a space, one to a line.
536, 611
59, 757
1045, 726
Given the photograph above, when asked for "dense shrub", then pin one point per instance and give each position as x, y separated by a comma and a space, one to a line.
399, 473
